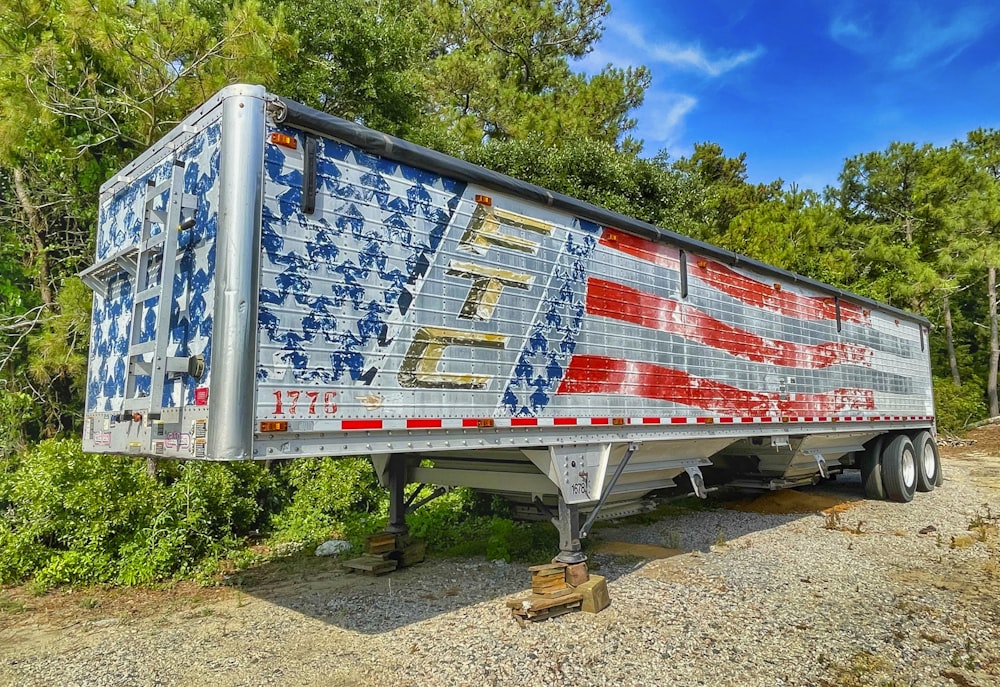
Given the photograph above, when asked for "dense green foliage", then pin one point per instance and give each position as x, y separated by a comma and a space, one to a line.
86, 86
67, 517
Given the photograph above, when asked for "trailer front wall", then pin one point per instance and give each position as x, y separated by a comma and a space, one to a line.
122, 212
409, 300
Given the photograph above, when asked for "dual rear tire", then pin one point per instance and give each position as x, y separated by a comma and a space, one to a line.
895, 467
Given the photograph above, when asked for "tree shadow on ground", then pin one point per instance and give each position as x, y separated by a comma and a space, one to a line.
322, 589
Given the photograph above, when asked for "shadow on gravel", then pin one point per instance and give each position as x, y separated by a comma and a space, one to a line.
319, 588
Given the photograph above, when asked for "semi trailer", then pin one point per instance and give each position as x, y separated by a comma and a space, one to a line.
273, 282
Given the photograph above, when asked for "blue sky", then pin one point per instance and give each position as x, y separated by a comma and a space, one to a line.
800, 86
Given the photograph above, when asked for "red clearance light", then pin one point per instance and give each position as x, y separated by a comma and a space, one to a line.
274, 426
284, 140
484, 200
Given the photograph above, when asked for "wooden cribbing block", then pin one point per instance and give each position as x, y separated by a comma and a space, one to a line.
373, 565
595, 594
576, 574
537, 607
414, 551
546, 569
381, 543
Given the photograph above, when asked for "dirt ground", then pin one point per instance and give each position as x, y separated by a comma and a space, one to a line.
64, 623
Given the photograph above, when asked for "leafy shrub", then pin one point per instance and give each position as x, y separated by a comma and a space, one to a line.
15, 406
67, 517
70, 517
957, 407
325, 497
460, 524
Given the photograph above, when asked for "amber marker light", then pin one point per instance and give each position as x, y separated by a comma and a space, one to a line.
274, 426
484, 422
285, 140
484, 200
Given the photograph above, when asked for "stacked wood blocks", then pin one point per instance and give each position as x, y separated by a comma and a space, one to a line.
384, 552
558, 588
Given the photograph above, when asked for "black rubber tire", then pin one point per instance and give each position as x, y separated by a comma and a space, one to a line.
899, 469
928, 461
871, 469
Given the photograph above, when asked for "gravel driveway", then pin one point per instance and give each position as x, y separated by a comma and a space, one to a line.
863, 593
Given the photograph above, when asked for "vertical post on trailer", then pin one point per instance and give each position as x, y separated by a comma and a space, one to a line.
397, 501
568, 524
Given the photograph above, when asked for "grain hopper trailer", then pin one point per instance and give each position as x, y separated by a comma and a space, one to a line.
274, 282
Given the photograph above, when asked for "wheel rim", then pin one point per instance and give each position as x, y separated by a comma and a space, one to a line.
909, 468
929, 462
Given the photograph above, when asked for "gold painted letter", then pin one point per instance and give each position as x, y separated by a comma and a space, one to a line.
487, 284
420, 365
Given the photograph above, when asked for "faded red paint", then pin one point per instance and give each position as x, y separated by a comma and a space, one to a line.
734, 284
623, 303
595, 374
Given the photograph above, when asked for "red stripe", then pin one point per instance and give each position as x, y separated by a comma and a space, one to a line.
732, 283
594, 374
361, 424
523, 422
623, 303
470, 422
565, 421
650, 420
678, 420
599, 421
421, 423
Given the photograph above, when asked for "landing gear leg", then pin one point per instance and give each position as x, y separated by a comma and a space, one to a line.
397, 500
568, 524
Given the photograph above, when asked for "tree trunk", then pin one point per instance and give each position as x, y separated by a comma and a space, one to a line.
991, 382
949, 333
36, 231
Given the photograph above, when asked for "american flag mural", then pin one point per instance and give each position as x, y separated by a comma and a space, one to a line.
410, 299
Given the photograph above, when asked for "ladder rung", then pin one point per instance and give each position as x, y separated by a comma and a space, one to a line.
146, 294
141, 348
155, 241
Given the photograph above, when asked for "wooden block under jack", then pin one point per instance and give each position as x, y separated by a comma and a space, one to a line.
381, 543
595, 594
576, 574
414, 551
373, 565
536, 607
545, 569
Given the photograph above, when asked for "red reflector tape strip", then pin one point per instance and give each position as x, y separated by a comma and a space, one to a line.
421, 423
498, 423
361, 424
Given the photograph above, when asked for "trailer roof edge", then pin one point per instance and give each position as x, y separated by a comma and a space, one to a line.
377, 143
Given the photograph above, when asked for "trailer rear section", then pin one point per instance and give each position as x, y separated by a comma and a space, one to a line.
272, 282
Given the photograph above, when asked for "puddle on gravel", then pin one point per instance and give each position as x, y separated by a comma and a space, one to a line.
790, 501
648, 551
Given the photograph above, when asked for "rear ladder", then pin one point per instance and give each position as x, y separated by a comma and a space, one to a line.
155, 268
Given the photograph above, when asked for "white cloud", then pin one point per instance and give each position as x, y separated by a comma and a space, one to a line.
906, 35
661, 121
691, 57
669, 111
